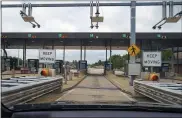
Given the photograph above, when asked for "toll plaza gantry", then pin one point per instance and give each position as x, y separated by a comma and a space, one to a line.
132, 35
89, 41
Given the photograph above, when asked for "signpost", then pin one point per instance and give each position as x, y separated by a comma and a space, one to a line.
133, 50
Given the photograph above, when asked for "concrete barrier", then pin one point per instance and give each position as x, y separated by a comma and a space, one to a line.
119, 73
162, 92
94, 71
21, 90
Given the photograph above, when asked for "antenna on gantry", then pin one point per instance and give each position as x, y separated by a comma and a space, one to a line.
27, 17
97, 18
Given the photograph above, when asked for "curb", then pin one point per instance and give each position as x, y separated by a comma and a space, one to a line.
64, 90
122, 90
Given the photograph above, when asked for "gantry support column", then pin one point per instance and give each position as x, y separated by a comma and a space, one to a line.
110, 56
81, 51
172, 60
84, 52
64, 63
178, 60
24, 54
133, 34
105, 62
151, 68
52, 44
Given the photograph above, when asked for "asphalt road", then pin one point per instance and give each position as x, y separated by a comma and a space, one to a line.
95, 89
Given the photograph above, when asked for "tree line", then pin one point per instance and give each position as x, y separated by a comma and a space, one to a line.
119, 61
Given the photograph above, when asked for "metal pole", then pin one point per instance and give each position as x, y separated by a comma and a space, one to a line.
65, 75
164, 13
105, 62
84, 52
18, 57
52, 44
128, 53
172, 60
25, 52
81, 51
64, 55
88, 4
44, 65
106, 54
151, 68
170, 8
133, 34
177, 59
141, 58
110, 56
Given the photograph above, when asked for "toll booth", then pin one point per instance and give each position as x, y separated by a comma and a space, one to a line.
10, 63
165, 67
59, 66
108, 66
82, 65
33, 65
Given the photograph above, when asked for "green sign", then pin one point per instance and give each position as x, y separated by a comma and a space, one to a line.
60, 35
29, 35
158, 35
124, 35
91, 35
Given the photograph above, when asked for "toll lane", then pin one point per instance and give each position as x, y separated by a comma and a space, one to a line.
95, 89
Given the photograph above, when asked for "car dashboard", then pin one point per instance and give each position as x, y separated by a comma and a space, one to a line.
94, 114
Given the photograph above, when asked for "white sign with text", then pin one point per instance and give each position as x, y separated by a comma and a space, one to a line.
152, 59
47, 56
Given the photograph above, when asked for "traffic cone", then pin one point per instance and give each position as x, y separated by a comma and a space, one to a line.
154, 77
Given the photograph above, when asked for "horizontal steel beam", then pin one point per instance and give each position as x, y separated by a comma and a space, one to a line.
88, 4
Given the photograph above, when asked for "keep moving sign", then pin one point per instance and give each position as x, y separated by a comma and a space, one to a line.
152, 59
47, 56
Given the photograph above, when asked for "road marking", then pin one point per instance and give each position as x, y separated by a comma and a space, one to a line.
131, 99
65, 95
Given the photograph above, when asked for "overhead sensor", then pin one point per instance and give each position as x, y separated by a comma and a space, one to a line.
28, 18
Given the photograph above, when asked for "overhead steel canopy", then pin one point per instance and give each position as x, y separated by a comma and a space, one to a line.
95, 41
87, 35
88, 4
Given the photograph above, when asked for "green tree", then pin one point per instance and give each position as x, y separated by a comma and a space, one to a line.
99, 62
166, 55
117, 61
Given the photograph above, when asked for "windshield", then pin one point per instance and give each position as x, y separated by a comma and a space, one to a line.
91, 52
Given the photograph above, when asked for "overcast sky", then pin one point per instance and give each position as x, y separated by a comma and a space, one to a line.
116, 19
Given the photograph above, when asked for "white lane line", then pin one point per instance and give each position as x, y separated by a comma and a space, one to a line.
131, 99
65, 95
